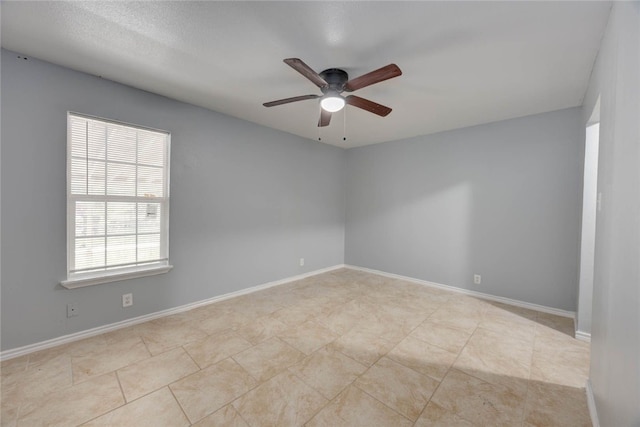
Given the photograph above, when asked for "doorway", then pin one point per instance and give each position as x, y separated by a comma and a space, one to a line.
590, 207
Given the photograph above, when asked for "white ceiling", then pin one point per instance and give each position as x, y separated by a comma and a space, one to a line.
463, 63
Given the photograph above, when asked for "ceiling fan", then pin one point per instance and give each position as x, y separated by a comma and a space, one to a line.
332, 82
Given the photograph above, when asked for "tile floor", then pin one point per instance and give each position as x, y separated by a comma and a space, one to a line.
344, 348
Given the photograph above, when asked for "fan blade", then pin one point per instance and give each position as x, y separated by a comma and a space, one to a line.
370, 106
325, 118
298, 65
376, 76
288, 100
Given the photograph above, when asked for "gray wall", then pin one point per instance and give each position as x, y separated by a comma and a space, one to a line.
615, 330
246, 202
501, 200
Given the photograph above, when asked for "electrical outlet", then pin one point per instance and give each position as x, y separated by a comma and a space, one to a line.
301, 262
72, 309
127, 300
477, 279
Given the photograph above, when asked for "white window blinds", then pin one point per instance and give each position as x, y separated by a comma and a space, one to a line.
118, 196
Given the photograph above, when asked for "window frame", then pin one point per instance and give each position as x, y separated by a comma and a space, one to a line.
112, 274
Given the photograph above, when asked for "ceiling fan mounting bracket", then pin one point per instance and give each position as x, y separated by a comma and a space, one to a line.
335, 78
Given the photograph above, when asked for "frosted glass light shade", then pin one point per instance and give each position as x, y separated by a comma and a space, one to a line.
332, 103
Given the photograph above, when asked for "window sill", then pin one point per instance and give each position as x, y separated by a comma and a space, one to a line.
99, 278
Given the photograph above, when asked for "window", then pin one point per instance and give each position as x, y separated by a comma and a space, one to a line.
117, 201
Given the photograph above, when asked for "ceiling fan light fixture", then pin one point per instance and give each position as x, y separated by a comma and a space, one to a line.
332, 103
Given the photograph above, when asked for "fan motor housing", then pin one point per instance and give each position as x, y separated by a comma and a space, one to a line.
336, 79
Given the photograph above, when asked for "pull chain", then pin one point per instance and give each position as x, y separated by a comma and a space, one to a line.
344, 128
319, 127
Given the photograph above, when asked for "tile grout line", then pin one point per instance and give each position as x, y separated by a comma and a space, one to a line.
180, 405
387, 406
486, 381
320, 393
445, 375
238, 412
258, 382
194, 362
156, 389
124, 397
363, 391
111, 410
145, 344
377, 360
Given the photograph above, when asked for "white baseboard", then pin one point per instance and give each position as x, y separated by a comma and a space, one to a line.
583, 336
591, 403
517, 303
31, 348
